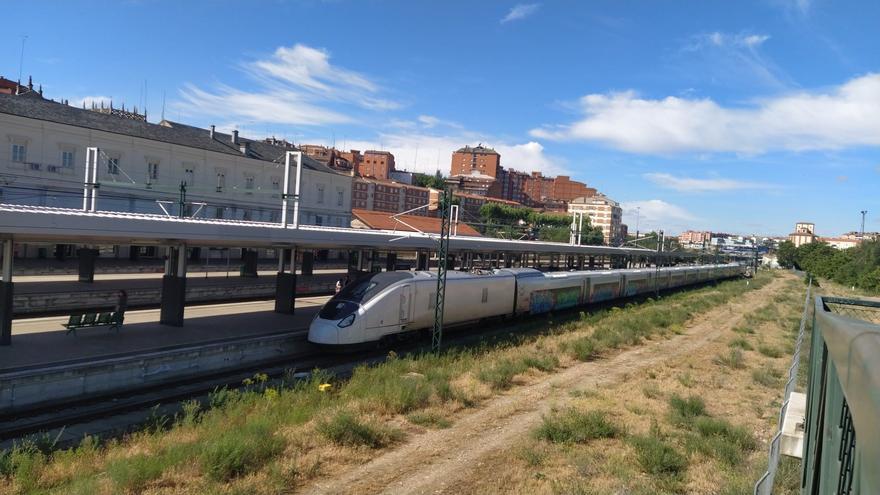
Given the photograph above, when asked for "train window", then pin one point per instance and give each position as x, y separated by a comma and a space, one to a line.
337, 310
361, 291
485, 294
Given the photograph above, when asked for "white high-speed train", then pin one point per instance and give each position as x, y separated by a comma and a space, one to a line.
390, 304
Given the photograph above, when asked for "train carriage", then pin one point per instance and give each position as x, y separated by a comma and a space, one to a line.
389, 304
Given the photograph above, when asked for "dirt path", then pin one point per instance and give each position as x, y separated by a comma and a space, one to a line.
440, 461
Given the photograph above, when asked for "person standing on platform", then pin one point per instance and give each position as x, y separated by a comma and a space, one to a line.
121, 302
338, 286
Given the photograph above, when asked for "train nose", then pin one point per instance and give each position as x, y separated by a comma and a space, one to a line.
324, 332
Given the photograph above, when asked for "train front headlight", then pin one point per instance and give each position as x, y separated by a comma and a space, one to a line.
346, 322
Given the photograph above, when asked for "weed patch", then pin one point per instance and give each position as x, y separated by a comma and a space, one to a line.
345, 429
573, 426
239, 451
740, 343
767, 377
683, 411
428, 419
658, 457
769, 351
733, 359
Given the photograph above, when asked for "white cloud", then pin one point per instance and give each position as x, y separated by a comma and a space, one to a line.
720, 39
89, 100
690, 184
417, 150
844, 116
520, 11
296, 86
655, 214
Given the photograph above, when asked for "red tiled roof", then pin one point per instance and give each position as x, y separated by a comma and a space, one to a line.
382, 221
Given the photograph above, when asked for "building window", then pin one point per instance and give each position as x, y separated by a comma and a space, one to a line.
189, 175
152, 171
320, 194
319, 220
276, 183
113, 165
19, 152
340, 196
249, 182
67, 158
221, 181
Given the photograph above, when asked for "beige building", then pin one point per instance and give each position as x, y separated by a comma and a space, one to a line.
804, 233
604, 213
841, 242
226, 176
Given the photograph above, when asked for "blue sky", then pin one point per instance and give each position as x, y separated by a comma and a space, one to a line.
739, 116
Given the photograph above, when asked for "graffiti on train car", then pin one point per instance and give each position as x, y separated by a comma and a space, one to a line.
542, 301
605, 292
634, 287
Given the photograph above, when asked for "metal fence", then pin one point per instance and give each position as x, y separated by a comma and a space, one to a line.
764, 486
842, 435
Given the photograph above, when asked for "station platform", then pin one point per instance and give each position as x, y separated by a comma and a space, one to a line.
42, 342
58, 294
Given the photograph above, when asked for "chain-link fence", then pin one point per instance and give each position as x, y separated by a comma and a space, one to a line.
858, 309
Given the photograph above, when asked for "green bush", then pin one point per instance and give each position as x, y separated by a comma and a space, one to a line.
583, 349
573, 426
658, 457
240, 450
740, 343
133, 473
767, 377
500, 374
683, 411
344, 429
721, 440
769, 351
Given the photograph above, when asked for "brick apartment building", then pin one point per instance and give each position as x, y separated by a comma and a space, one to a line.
695, 238
390, 197
477, 160
344, 161
377, 164
482, 174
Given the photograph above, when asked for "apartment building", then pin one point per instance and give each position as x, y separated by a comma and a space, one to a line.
603, 212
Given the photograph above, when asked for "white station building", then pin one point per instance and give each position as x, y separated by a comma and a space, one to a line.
141, 166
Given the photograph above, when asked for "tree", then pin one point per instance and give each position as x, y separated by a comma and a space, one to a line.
785, 255
436, 181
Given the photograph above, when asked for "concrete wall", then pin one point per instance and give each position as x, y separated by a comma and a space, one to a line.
80, 302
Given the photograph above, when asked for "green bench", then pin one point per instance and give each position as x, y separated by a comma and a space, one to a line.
112, 320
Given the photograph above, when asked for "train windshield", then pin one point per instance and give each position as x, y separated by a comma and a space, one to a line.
359, 292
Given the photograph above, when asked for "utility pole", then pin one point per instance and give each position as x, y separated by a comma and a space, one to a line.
864, 212
442, 250
182, 200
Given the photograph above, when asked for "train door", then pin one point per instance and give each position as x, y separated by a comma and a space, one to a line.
405, 303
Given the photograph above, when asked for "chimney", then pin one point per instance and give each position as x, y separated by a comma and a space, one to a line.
212, 131
245, 148
235, 137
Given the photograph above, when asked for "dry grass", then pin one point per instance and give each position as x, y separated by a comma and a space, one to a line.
682, 434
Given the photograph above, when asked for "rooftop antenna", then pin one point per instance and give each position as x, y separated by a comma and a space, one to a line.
864, 212
163, 105
24, 38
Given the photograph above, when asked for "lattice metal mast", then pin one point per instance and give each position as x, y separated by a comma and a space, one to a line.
442, 250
